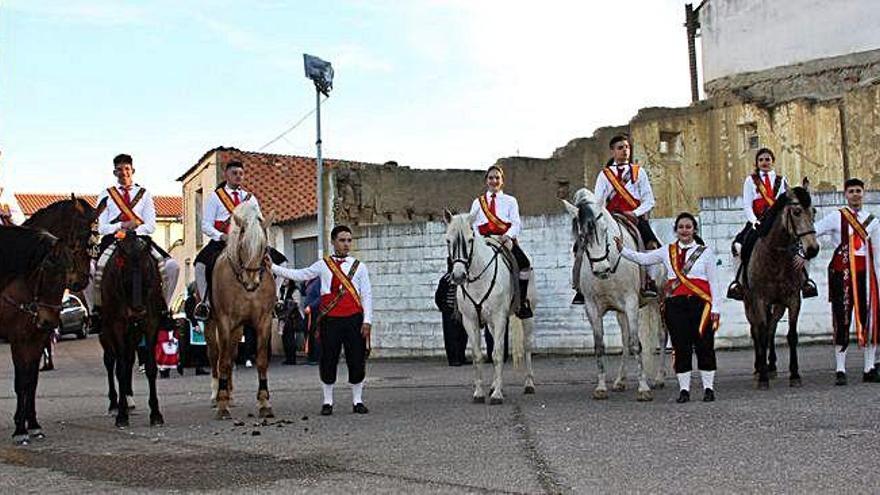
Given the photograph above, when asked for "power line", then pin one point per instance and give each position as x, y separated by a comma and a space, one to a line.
291, 128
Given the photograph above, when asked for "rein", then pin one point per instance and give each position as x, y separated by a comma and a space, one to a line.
478, 305
32, 307
582, 249
241, 269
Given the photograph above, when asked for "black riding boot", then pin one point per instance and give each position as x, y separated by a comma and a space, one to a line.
735, 289
809, 289
525, 309
95, 320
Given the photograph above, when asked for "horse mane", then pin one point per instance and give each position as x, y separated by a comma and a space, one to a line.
586, 217
23, 249
247, 236
772, 214
57, 208
803, 196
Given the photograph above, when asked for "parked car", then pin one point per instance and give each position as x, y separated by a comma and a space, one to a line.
74, 317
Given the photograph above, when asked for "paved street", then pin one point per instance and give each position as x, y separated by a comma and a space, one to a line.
423, 435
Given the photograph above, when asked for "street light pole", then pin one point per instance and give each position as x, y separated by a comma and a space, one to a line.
321, 73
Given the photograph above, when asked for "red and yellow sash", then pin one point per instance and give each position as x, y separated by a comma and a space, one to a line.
227, 201
768, 196
698, 291
498, 225
344, 281
620, 189
857, 229
124, 207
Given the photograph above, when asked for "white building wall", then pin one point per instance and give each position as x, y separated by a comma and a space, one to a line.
752, 35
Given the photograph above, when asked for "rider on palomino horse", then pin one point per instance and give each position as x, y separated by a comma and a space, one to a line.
856, 233
624, 188
10, 212
761, 189
127, 206
216, 224
497, 214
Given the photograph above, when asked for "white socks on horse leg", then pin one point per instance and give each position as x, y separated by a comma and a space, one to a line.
684, 381
708, 378
328, 393
870, 349
357, 392
201, 280
840, 358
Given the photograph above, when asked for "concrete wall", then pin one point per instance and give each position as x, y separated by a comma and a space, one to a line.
407, 260
752, 35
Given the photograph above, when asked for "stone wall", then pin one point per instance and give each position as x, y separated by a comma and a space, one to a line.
407, 260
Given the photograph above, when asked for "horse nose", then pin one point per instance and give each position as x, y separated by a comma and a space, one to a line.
812, 251
45, 325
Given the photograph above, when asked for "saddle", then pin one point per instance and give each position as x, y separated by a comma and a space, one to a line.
507, 256
631, 227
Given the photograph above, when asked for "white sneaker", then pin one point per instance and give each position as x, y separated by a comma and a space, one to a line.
248, 364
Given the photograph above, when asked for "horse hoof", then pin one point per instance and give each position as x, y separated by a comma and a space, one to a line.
122, 423
529, 390
156, 420
644, 396
619, 387
480, 400
659, 384
213, 403
494, 401
37, 434
763, 384
772, 374
266, 412
795, 383
21, 440
600, 394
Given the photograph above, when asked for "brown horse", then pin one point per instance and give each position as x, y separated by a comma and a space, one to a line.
131, 291
773, 284
242, 293
35, 268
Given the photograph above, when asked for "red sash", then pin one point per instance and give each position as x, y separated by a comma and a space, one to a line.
343, 299
229, 204
684, 286
495, 225
767, 198
623, 200
851, 228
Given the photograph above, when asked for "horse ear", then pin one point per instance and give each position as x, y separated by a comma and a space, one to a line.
806, 183
570, 208
269, 220
76, 204
447, 215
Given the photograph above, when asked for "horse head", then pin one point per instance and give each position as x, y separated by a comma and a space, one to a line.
590, 229
132, 274
48, 282
73, 221
459, 244
247, 245
798, 217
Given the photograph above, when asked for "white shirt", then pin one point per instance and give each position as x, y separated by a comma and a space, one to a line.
360, 280
10, 204
750, 192
144, 209
506, 208
704, 267
830, 225
214, 210
641, 189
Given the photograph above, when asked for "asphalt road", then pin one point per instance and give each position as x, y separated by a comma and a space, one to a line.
423, 434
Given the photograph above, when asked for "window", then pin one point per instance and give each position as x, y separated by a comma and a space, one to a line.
200, 238
750, 139
305, 251
671, 146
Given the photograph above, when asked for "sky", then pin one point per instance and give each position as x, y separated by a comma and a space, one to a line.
427, 83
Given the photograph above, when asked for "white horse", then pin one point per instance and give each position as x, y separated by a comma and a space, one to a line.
484, 297
609, 285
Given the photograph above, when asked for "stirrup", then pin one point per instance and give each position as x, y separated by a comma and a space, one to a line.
202, 312
525, 311
809, 289
735, 291
578, 299
649, 291
281, 310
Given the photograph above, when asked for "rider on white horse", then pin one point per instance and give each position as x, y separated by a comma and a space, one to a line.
497, 214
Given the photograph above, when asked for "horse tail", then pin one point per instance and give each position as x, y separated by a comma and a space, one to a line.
517, 340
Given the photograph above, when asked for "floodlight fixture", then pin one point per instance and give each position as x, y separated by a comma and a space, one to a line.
320, 72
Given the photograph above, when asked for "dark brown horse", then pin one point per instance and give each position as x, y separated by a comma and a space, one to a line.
131, 291
774, 284
34, 269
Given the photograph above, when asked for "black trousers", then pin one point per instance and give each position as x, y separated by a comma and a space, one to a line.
645, 230
454, 338
339, 333
841, 311
682, 315
521, 259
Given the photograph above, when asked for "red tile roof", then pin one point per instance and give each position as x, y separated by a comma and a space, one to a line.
283, 184
166, 206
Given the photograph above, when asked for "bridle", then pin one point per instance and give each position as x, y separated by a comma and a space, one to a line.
583, 241
240, 269
455, 256
33, 306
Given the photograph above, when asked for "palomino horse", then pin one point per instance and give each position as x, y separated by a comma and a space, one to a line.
242, 293
609, 285
773, 284
133, 302
35, 268
486, 296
